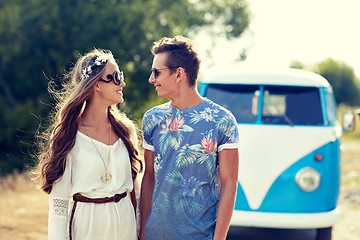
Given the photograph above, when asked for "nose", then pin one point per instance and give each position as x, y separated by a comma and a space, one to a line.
122, 84
151, 78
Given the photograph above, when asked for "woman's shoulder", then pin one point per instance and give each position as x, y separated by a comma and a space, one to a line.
129, 124
131, 127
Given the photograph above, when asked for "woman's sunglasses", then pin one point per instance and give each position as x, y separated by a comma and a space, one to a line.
116, 77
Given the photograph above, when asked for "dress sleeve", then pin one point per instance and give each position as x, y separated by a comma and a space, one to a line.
59, 206
137, 187
137, 180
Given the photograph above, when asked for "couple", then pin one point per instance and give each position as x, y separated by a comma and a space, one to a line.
190, 149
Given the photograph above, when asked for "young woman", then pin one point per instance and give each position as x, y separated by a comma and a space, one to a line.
90, 161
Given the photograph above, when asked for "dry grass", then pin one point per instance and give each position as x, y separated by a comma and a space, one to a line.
24, 208
350, 167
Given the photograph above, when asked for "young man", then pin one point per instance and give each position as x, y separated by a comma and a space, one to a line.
191, 153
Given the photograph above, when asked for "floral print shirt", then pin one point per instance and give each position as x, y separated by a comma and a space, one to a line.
186, 143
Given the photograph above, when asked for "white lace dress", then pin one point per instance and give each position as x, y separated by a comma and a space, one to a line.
92, 221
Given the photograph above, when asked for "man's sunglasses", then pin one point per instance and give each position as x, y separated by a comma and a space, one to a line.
116, 77
156, 71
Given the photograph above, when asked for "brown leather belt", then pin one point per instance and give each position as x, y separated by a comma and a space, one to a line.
80, 198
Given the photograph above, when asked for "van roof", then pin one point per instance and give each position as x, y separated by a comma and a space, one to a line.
287, 77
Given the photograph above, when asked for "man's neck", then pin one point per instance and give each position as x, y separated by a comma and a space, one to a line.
188, 100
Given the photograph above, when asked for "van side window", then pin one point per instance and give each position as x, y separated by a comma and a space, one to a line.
330, 107
291, 105
241, 100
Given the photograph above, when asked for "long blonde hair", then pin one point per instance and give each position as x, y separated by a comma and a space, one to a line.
59, 138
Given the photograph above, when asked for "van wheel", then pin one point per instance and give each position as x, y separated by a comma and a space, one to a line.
323, 233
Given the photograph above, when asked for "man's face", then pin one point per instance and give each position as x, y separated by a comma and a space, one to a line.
161, 77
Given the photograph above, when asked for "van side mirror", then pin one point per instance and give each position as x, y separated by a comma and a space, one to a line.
348, 121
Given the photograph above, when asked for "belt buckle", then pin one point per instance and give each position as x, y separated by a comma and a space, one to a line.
117, 198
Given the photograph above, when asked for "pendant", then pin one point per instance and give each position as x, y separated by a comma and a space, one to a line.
106, 177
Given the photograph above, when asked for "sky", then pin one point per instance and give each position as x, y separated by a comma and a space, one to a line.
280, 31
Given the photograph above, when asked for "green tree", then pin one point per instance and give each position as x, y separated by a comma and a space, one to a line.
297, 64
342, 78
40, 39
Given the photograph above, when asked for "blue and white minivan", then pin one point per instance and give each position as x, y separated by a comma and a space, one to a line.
289, 173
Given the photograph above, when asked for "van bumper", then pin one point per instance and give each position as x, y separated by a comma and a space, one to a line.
285, 220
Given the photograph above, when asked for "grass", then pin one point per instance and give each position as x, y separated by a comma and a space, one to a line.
350, 166
24, 209
354, 135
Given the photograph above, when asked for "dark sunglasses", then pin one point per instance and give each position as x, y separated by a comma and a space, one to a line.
156, 71
116, 77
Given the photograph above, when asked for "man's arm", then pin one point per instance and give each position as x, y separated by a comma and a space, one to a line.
228, 169
147, 188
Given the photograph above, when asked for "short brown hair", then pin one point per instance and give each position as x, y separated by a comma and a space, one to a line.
181, 53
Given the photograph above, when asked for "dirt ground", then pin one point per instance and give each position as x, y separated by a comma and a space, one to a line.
348, 226
24, 208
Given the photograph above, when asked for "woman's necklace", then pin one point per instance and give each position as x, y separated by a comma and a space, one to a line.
106, 176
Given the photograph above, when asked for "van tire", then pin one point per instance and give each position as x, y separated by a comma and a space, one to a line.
323, 233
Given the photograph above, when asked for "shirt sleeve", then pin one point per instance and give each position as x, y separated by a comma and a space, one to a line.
229, 132
59, 206
147, 129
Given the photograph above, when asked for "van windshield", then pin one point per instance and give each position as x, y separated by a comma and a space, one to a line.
289, 105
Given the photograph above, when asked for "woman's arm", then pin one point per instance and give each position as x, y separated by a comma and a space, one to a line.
59, 205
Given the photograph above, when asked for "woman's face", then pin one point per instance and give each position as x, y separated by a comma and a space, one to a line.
111, 84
